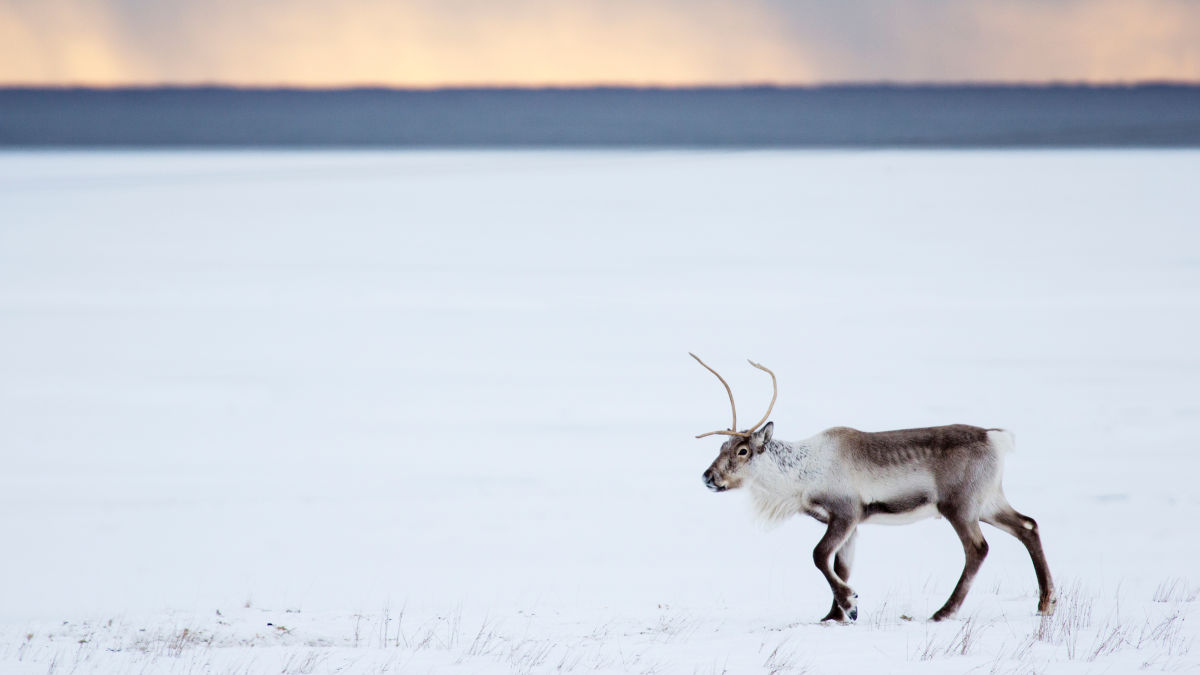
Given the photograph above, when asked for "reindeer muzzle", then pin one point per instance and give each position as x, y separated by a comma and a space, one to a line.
711, 483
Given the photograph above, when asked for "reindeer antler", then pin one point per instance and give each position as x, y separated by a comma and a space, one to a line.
732, 431
774, 395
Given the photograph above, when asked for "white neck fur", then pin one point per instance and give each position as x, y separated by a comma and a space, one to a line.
779, 478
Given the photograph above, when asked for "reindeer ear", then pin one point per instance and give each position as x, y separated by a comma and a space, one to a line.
763, 435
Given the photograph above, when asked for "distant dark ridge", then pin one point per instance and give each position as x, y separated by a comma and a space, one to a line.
974, 116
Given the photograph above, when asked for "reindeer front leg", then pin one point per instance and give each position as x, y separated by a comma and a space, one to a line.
839, 533
841, 566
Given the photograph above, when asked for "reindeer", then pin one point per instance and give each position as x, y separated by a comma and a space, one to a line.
844, 477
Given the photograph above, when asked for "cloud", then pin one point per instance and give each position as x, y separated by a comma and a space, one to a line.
413, 43
53, 42
564, 42
998, 40
1122, 40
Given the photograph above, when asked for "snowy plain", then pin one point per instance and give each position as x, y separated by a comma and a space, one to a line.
433, 411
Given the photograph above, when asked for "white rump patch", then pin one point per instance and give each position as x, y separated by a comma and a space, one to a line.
1002, 440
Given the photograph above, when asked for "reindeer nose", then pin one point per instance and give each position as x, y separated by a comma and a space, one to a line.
709, 481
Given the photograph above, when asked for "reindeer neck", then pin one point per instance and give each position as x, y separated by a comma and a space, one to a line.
796, 460
782, 475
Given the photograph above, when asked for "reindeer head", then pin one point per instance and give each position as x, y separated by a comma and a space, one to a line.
728, 469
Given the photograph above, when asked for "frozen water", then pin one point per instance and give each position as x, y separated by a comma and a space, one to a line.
457, 385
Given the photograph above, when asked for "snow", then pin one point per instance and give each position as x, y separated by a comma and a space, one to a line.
433, 412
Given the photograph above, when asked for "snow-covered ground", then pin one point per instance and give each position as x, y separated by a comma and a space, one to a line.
433, 412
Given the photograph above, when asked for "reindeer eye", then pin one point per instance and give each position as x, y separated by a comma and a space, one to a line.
742, 450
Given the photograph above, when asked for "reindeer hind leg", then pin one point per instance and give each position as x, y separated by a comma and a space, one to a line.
1025, 529
975, 547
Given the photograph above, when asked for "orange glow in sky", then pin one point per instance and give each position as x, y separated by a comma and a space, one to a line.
544, 42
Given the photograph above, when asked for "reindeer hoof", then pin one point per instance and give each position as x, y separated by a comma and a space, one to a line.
1047, 608
851, 607
835, 614
942, 615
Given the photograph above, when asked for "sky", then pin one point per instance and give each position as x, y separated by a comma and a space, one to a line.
429, 43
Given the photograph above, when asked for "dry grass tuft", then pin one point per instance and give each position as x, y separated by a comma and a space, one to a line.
1176, 590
